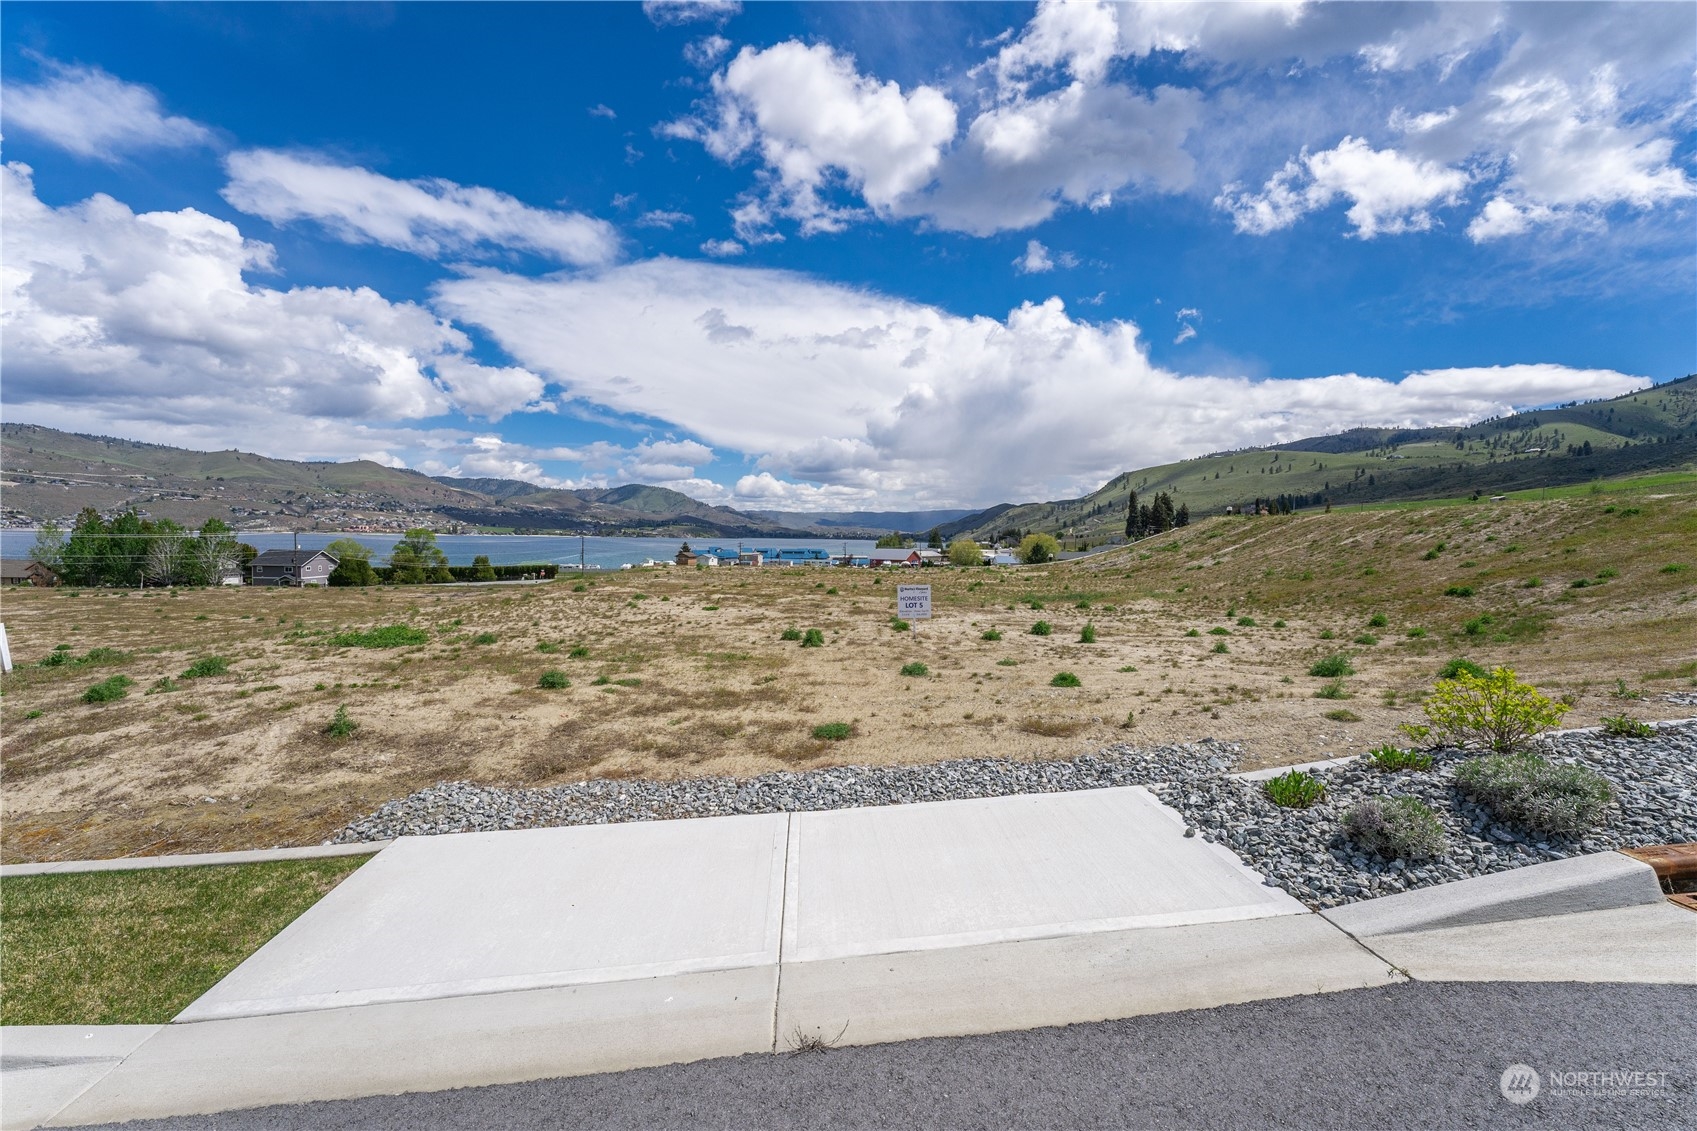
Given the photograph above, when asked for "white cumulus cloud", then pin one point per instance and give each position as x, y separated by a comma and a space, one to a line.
85, 111
429, 216
885, 399
1389, 192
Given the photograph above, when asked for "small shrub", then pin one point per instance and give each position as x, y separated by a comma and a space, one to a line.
1430, 555
389, 636
578, 653
207, 666
1278, 624
1007, 663
1343, 715
1622, 691
166, 683
1416, 633
1216, 631
1065, 679
553, 680
1221, 648
1395, 828
833, 732
1459, 665
36, 714
1042, 628
1541, 796
1532, 583
813, 638
341, 725
1673, 567
1192, 632
1246, 622
831, 592
1393, 758
1328, 634
109, 690
1294, 789
547, 648
790, 634
485, 638
1034, 605
1378, 620
1496, 711
1580, 583
1625, 726
990, 634
897, 624
1333, 666
1087, 634
1127, 668
1367, 639
1459, 591
915, 669
1333, 690
1478, 625
1607, 572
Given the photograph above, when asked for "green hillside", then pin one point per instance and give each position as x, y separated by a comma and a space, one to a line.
1639, 434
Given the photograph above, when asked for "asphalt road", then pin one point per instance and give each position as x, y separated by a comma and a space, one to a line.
1416, 1055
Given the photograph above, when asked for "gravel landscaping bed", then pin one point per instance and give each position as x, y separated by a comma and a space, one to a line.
1302, 851
1305, 852
458, 807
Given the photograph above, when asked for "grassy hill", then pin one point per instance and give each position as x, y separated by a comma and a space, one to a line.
1654, 431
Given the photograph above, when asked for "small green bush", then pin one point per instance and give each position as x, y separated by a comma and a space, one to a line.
1065, 679
165, 683
1343, 715
1333, 690
1367, 639
1393, 758
1087, 634
1220, 648
1416, 633
1328, 634
340, 725
1538, 795
553, 680
207, 666
790, 634
813, 638
1192, 632
1333, 666
1278, 624
1532, 583
1459, 591
1496, 711
1294, 789
897, 624
578, 653
990, 634
1459, 665
1395, 828
485, 638
831, 592
1042, 628
389, 636
1625, 726
1217, 631
1007, 663
1674, 567
833, 732
109, 690
1478, 625
1378, 620
1580, 583
1246, 622
547, 647
915, 669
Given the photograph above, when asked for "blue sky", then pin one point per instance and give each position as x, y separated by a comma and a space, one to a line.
835, 256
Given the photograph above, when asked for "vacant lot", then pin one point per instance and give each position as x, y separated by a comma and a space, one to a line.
1211, 631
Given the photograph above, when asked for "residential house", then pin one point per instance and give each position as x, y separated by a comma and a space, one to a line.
895, 557
24, 571
293, 567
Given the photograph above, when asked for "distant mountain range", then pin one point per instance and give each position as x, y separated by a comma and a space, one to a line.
48, 474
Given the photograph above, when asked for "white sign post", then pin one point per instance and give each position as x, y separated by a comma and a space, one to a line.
6, 651
913, 602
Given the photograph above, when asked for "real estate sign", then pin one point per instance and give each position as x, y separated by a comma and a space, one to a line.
913, 602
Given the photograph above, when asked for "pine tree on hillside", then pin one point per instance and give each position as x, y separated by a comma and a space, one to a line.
1131, 528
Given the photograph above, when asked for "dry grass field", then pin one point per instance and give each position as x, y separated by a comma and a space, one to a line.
1208, 632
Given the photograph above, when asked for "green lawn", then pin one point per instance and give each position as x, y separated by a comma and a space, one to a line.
136, 947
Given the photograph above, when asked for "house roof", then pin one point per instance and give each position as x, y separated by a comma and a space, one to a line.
291, 557
21, 567
889, 555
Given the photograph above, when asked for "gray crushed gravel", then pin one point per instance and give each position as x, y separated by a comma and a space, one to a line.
1302, 851
1305, 852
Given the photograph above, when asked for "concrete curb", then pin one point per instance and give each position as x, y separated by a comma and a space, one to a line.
192, 860
1274, 771
1597, 882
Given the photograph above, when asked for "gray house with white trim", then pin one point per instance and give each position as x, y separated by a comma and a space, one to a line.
293, 567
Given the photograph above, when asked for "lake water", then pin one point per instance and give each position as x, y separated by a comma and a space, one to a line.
510, 549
